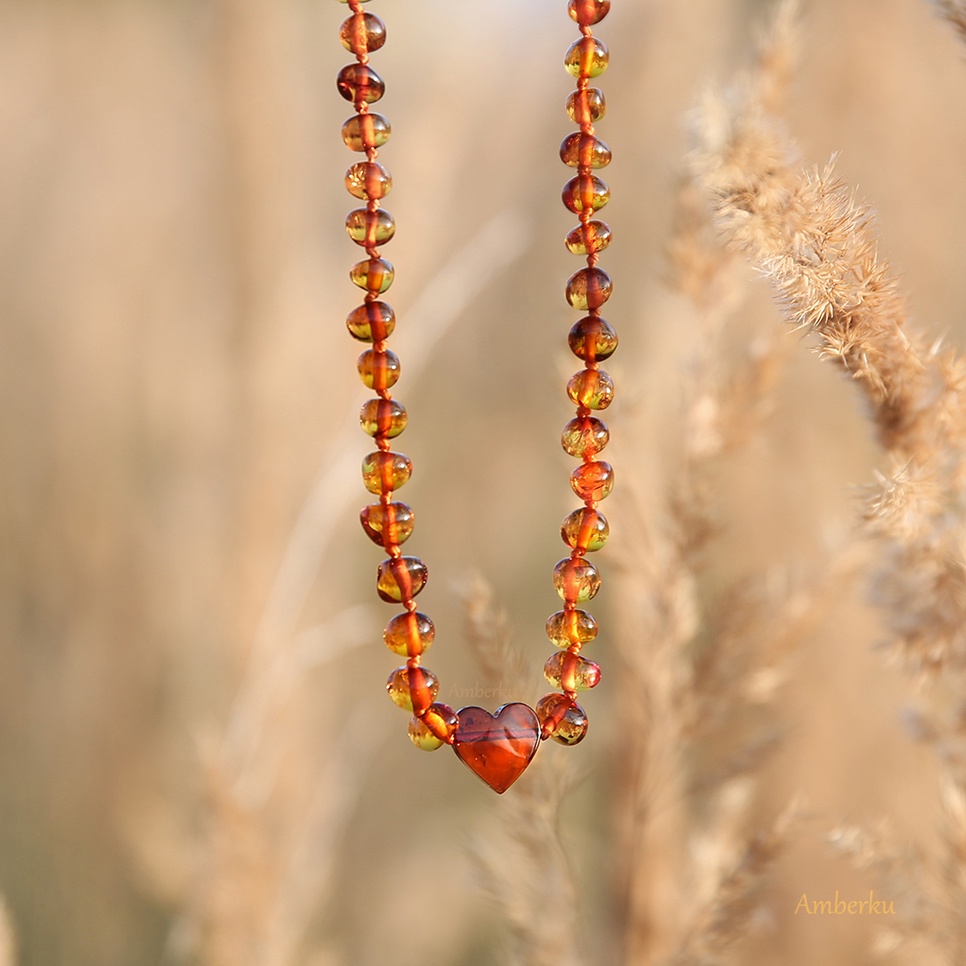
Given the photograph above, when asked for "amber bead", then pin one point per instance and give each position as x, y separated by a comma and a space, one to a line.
401, 578
584, 436
385, 472
587, 57
570, 672
372, 322
589, 239
412, 688
593, 482
562, 719
375, 275
388, 524
364, 131
434, 728
360, 84
409, 634
589, 288
586, 106
580, 150
591, 388
385, 418
362, 33
592, 339
569, 627
576, 579
585, 191
379, 370
588, 12
368, 180
585, 529
370, 228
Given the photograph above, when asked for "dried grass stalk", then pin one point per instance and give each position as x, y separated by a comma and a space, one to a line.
955, 12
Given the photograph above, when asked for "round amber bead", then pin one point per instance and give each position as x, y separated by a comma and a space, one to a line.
385, 418
368, 180
388, 524
593, 482
589, 288
360, 84
585, 529
372, 322
409, 634
592, 339
364, 131
586, 106
374, 275
585, 191
362, 33
584, 436
370, 228
412, 688
561, 719
576, 579
589, 239
379, 370
580, 150
587, 57
434, 728
588, 12
384, 472
591, 388
569, 627
401, 578
570, 672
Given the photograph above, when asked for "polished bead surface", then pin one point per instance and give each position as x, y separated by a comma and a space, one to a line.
585, 529
385, 418
592, 482
570, 672
362, 33
576, 579
388, 524
364, 131
401, 578
409, 634
591, 388
587, 57
498, 747
368, 180
360, 84
562, 719
370, 228
385, 472
589, 288
580, 150
378, 370
412, 688
372, 322
585, 191
584, 436
589, 239
588, 12
568, 627
434, 728
592, 339
372, 274
586, 106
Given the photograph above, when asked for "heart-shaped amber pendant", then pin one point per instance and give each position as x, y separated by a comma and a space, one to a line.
497, 747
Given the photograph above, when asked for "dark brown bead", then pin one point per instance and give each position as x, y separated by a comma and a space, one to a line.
589, 239
586, 106
383, 418
388, 524
372, 322
588, 12
378, 370
368, 180
592, 339
362, 33
589, 288
585, 191
360, 84
580, 150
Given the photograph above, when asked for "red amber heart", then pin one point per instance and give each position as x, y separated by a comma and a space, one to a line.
497, 747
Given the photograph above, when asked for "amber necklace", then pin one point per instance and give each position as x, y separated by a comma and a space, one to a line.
496, 747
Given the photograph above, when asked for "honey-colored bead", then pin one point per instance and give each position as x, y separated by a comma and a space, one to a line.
412, 688
588, 12
569, 627
592, 482
368, 180
561, 719
589, 288
585, 529
592, 339
434, 728
379, 370
388, 524
383, 418
586, 106
364, 131
589, 239
362, 33
587, 57
401, 578
409, 634
584, 436
372, 322
591, 388
585, 191
576, 579
384, 472
570, 672
580, 150
375, 275
370, 228
360, 84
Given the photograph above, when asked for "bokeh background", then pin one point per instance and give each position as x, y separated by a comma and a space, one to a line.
197, 762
